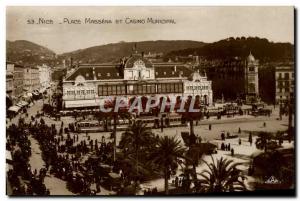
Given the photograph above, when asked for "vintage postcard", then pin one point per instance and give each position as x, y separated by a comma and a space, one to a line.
150, 101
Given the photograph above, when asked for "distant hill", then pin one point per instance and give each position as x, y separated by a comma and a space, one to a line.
115, 51
28, 53
261, 48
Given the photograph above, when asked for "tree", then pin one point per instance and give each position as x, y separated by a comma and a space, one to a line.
191, 116
134, 139
167, 155
121, 113
222, 176
276, 163
263, 140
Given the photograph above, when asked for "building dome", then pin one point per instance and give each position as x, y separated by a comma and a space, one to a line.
250, 58
137, 59
196, 76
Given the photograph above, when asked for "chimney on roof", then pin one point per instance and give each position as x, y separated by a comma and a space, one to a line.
94, 74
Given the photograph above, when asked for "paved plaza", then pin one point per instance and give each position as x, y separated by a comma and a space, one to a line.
243, 152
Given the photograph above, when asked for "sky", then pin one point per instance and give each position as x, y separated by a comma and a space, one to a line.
207, 24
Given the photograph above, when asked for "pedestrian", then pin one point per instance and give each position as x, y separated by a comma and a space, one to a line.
200, 139
264, 124
176, 182
225, 147
209, 127
228, 147
98, 189
222, 146
232, 152
197, 139
240, 141
239, 130
223, 136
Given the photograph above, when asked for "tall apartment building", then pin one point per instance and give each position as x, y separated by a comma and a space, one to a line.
31, 79
285, 83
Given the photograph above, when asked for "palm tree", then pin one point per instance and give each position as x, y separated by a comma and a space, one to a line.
167, 155
262, 140
136, 137
222, 176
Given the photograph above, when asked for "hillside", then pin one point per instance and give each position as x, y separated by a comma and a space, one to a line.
26, 52
115, 51
262, 49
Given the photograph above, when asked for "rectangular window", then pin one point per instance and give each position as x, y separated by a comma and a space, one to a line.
287, 84
251, 69
164, 88
135, 89
140, 89
147, 74
123, 89
149, 89
113, 89
176, 87
109, 90
100, 90
104, 90
286, 76
145, 89
158, 88
180, 88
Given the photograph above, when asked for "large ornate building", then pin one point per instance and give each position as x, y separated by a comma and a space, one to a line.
89, 85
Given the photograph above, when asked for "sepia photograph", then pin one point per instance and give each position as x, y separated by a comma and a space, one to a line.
150, 101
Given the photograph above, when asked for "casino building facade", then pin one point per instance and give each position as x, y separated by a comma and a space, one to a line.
90, 85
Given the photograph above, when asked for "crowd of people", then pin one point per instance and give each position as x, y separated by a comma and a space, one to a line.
22, 179
65, 156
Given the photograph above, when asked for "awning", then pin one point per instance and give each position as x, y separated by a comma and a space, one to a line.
246, 107
42, 90
19, 105
14, 108
23, 103
82, 103
8, 155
